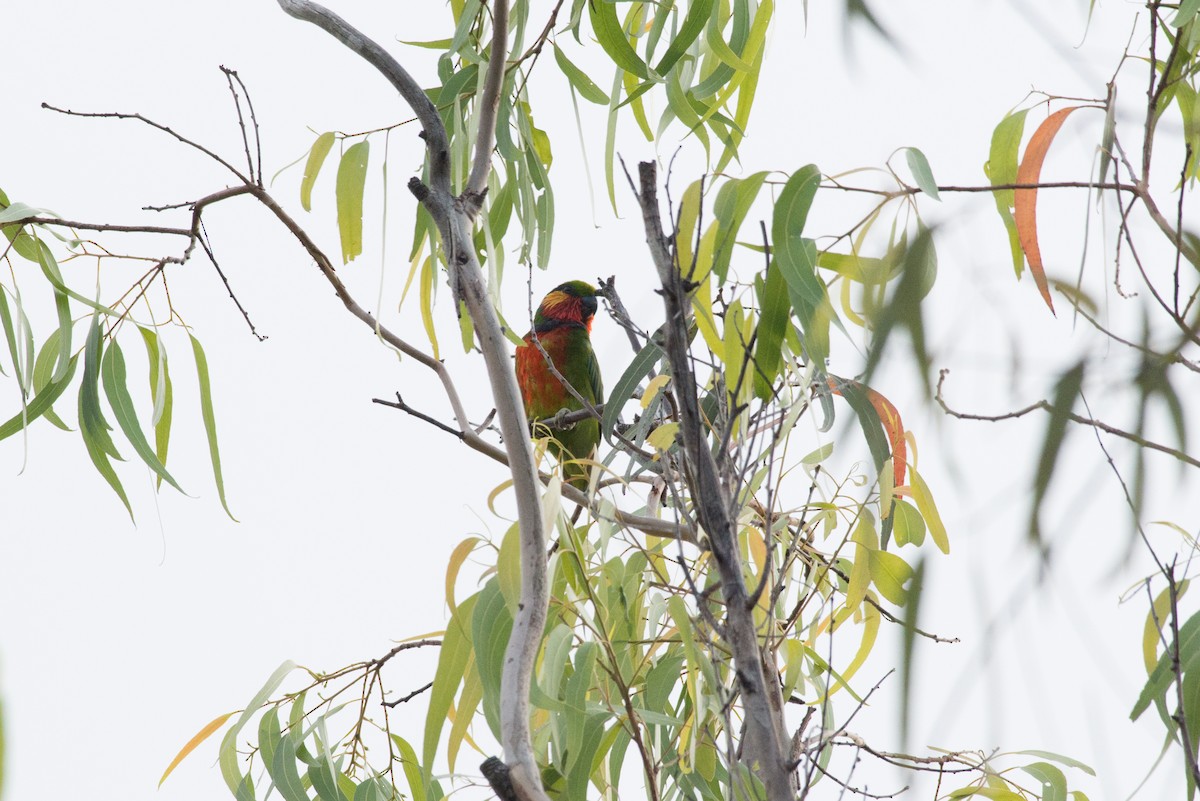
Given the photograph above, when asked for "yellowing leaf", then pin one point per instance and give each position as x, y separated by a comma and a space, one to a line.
312, 167
889, 574
351, 178
1025, 201
457, 557
663, 437
653, 388
200, 737
924, 500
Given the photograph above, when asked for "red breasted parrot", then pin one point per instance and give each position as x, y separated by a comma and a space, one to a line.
562, 325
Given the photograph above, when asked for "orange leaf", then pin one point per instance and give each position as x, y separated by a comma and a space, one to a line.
1025, 200
889, 416
200, 737
894, 428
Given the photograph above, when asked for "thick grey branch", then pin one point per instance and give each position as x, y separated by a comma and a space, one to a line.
489, 105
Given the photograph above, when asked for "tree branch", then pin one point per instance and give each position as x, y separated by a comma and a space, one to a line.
1046, 406
489, 105
765, 736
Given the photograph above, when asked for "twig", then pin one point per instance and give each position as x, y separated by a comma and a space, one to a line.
116, 115
407, 698
207, 246
1046, 406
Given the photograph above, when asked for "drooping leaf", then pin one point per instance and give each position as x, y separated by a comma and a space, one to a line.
210, 420
731, 207
1001, 169
875, 411
92, 425
912, 609
1025, 201
698, 14
351, 178
586, 87
491, 625
162, 390
1065, 393
228, 758
796, 257
312, 167
923, 498
41, 403
192, 744
452, 662
772, 323
284, 773
612, 37
113, 377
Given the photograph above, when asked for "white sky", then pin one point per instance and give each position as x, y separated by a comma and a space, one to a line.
117, 642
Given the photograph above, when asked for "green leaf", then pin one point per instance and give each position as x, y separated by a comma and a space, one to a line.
312, 167
43, 374
40, 405
228, 758
412, 770
889, 574
868, 419
283, 772
1108, 137
586, 87
325, 781
62, 307
351, 178
645, 360
612, 37
697, 17
922, 174
270, 734
369, 790
116, 390
92, 425
1162, 677
1059, 758
907, 663
490, 627
10, 335
162, 391
1054, 783
731, 207
1186, 13
1065, 393
210, 420
1001, 168
772, 323
452, 662
796, 257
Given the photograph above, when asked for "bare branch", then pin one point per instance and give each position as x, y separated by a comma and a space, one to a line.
1046, 406
116, 115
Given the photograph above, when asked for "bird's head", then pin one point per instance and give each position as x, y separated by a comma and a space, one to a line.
571, 303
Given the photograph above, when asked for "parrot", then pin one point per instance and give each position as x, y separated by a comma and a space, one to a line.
562, 325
